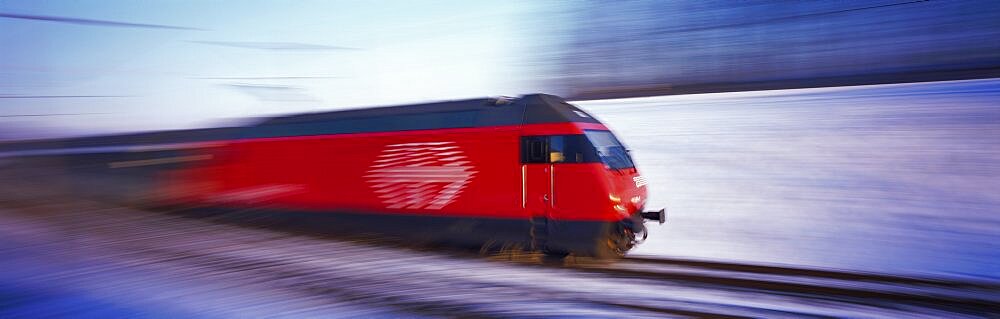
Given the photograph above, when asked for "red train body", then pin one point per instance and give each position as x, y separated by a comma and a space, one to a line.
534, 171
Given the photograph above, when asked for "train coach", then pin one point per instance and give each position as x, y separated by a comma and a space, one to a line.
533, 172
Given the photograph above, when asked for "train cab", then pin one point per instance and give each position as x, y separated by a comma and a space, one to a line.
581, 180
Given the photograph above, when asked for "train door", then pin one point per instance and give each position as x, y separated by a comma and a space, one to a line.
536, 188
536, 176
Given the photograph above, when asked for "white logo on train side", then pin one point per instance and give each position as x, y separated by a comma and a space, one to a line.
640, 181
428, 175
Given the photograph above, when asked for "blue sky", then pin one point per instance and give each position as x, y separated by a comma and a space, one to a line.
141, 65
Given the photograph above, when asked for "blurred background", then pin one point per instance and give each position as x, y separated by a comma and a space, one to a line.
855, 136
88, 66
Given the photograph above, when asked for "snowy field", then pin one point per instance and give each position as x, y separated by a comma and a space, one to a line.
898, 179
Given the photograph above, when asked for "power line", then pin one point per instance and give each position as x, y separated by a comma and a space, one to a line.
104, 23
57, 96
50, 114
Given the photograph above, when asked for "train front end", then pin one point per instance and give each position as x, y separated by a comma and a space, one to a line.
581, 180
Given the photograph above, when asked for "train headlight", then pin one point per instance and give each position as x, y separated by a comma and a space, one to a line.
614, 198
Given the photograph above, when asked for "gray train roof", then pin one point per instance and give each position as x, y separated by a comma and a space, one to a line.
528, 109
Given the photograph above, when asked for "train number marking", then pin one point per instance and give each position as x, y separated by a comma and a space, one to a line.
640, 181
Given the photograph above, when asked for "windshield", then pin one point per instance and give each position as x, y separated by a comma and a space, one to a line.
610, 150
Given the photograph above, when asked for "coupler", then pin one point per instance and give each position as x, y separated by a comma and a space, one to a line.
660, 215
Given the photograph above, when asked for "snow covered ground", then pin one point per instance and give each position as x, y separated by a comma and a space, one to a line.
898, 178
71, 258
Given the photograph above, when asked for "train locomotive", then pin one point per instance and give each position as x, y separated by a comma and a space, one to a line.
533, 172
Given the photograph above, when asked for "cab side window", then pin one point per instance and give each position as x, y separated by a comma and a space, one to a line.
558, 149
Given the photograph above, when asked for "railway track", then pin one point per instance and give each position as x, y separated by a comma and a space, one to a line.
860, 288
282, 269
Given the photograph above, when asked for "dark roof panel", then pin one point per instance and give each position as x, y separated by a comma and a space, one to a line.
545, 108
529, 109
451, 114
446, 106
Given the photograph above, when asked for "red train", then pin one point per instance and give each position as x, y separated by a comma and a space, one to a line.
533, 172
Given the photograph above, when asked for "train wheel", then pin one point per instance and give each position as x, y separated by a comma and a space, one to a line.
554, 257
615, 243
